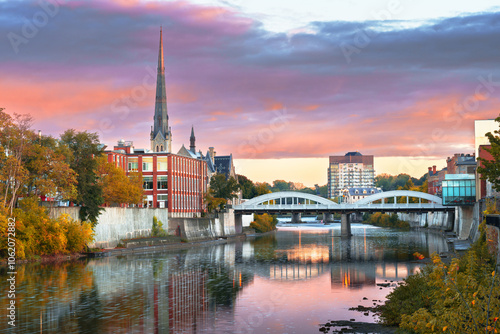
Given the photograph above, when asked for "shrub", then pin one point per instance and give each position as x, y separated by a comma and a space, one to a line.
385, 220
157, 229
38, 234
77, 235
264, 223
460, 297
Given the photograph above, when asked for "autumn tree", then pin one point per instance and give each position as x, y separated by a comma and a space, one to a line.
49, 173
15, 139
490, 169
262, 188
85, 147
212, 203
116, 186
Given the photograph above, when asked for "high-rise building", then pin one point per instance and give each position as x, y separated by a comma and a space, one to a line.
161, 134
352, 170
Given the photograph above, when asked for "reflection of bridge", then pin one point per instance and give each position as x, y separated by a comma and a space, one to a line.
297, 203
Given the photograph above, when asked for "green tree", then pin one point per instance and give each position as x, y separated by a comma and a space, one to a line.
224, 188
247, 187
85, 147
490, 169
389, 182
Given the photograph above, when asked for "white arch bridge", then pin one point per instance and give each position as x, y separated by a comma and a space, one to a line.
298, 203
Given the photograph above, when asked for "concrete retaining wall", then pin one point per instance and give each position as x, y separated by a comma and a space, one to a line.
115, 224
467, 219
464, 221
204, 228
434, 220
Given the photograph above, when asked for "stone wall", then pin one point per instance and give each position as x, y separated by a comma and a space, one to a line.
115, 224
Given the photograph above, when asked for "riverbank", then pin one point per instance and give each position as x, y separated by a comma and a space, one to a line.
139, 246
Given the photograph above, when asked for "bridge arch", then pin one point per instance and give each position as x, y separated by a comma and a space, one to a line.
284, 195
400, 193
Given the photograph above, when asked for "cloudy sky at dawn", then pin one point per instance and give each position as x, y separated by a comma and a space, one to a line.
291, 82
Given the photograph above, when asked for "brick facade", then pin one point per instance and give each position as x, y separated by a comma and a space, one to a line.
169, 180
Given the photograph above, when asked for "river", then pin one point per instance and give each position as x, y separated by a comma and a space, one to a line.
287, 282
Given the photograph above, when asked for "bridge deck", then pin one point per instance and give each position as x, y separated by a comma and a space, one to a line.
342, 208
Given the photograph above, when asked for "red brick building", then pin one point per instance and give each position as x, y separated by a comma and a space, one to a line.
170, 180
483, 187
461, 164
435, 180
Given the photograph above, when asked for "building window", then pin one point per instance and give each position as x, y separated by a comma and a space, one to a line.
147, 164
147, 182
163, 197
162, 164
133, 164
162, 182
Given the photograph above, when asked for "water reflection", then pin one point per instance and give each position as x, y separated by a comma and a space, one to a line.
288, 281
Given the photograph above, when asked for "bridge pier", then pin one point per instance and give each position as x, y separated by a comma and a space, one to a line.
238, 223
327, 217
345, 225
296, 217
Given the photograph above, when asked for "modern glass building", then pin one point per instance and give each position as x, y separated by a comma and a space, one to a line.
459, 189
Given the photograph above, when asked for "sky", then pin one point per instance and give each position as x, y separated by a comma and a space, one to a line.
279, 84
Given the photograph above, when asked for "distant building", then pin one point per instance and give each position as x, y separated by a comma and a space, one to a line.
461, 164
435, 180
352, 195
459, 189
352, 170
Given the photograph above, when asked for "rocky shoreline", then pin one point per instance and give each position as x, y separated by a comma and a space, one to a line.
344, 326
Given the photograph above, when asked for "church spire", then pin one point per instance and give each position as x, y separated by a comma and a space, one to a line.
192, 139
161, 136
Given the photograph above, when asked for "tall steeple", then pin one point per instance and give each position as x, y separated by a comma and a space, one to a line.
192, 140
161, 135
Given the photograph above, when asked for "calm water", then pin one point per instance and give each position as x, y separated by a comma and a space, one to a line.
289, 282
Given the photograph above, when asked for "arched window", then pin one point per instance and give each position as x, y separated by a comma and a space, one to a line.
161, 148
157, 148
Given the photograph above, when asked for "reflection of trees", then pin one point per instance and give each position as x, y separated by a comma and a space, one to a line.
265, 248
89, 311
225, 283
44, 300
